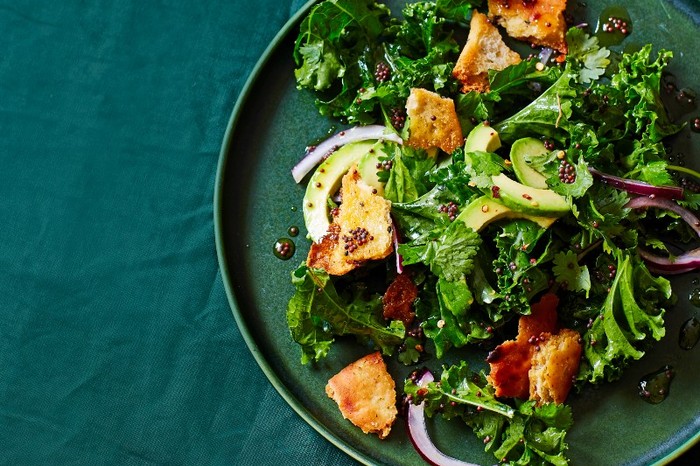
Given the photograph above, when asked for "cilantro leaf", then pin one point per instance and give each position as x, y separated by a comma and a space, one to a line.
567, 271
584, 49
449, 255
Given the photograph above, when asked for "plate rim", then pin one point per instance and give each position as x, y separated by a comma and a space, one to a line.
231, 126
245, 331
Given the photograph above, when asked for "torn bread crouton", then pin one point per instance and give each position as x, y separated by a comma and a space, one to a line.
366, 394
484, 51
541, 363
510, 364
554, 367
511, 361
398, 299
361, 230
433, 121
540, 22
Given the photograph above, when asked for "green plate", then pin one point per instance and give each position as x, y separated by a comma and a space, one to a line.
256, 202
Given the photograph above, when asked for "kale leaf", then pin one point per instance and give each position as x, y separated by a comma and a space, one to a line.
632, 315
317, 313
524, 434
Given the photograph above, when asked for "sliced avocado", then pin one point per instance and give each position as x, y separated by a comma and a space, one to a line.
325, 181
367, 166
526, 199
482, 138
523, 150
484, 210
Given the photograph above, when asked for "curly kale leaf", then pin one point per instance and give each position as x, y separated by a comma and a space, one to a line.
317, 313
448, 317
332, 37
518, 264
524, 434
631, 316
640, 79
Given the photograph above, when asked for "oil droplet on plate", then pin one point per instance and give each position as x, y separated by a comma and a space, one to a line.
694, 297
654, 387
293, 231
690, 334
284, 248
614, 24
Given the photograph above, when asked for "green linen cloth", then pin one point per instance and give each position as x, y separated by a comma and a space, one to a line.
117, 344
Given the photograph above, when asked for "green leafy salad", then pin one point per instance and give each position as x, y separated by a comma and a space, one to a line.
563, 187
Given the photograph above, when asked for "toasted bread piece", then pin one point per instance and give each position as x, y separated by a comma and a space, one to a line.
540, 22
511, 361
484, 51
554, 367
433, 121
397, 302
510, 365
542, 318
361, 231
366, 394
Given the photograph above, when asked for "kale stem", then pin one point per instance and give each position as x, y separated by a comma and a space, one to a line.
685, 170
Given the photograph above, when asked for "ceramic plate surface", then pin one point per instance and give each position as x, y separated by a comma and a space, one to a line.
256, 202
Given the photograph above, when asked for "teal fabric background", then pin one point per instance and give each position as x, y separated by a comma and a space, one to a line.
117, 344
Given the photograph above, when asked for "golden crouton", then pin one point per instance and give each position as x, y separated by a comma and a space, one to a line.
510, 364
366, 394
554, 367
511, 361
540, 22
541, 362
360, 231
433, 121
484, 51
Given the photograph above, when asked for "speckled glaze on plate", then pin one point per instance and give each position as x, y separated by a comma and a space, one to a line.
256, 201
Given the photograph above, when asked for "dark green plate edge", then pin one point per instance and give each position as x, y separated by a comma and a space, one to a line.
223, 265
221, 247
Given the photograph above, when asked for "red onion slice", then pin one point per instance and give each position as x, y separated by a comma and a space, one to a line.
686, 262
395, 238
642, 202
545, 55
358, 133
638, 187
418, 432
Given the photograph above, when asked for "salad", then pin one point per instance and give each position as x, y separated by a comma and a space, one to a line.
560, 190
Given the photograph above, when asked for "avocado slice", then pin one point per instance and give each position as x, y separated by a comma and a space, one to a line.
526, 199
483, 210
523, 150
482, 138
326, 180
367, 166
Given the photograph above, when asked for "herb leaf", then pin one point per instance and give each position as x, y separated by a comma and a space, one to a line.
316, 314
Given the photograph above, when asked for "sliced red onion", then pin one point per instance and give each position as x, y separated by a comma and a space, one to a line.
395, 238
418, 432
358, 133
638, 187
545, 55
686, 262
642, 202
